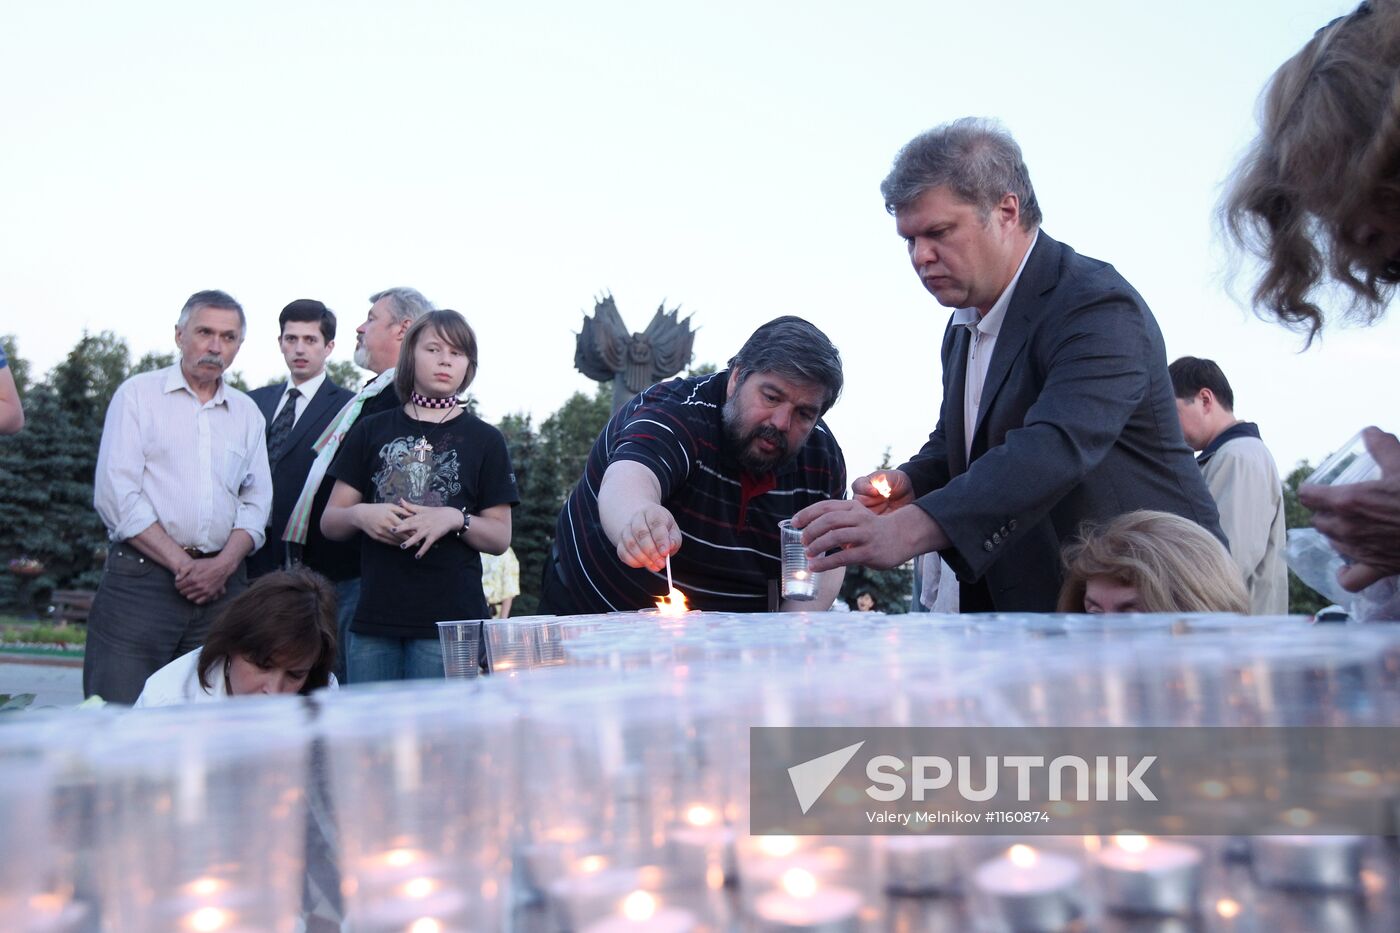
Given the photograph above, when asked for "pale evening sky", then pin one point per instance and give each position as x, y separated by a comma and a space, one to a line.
513, 163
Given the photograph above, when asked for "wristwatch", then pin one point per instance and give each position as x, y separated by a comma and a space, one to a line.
466, 523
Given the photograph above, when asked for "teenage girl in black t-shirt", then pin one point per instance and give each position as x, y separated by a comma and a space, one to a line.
430, 487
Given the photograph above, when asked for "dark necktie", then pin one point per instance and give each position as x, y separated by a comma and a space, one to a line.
282, 426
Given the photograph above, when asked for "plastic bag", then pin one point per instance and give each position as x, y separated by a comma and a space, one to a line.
1311, 557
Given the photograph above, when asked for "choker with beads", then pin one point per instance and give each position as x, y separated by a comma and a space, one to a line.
423, 401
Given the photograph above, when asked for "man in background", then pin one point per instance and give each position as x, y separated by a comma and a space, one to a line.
1242, 477
296, 411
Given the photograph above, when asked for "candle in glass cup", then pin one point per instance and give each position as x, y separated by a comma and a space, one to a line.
641, 911
1139, 874
919, 864
1314, 862
799, 582
802, 903
702, 842
1028, 891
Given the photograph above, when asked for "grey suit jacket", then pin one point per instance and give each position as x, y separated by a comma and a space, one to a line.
1077, 424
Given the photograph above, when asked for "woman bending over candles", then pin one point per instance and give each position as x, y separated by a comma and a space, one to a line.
278, 636
1150, 562
429, 489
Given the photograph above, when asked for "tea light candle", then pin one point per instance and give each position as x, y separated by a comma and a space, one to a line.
1027, 891
640, 911
800, 903
702, 842
1149, 876
1317, 862
919, 864
210, 905
800, 585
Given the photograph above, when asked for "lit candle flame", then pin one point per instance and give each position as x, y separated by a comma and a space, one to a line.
1227, 908
205, 887
591, 864
399, 858
1022, 856
799, 882
881, 485
639, 906
777, 846
1131, 843
700, 815
672, 604
419, 888
209, 919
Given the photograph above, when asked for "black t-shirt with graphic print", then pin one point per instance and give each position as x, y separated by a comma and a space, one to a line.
460, 463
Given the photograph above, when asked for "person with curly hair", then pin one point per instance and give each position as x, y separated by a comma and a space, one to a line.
1317, 199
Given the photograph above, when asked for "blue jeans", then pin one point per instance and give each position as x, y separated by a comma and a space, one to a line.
347, 598
372, 658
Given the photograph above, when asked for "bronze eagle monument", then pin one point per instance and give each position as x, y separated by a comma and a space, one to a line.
607, 352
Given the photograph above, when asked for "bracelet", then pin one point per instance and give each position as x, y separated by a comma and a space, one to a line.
466, 523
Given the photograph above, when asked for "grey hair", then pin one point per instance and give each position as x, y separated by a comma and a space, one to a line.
795, 349
405, 304
974, 158
212, 298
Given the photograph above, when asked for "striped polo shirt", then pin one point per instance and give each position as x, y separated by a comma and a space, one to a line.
727, 517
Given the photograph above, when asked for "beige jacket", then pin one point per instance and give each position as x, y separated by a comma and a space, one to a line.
1244, 480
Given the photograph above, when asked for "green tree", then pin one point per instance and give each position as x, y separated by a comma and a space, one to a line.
345, 374
19, 367
88, 377
547, 464
893, 589
701, 369
152, 361
46, 471
532, 522
1302, 598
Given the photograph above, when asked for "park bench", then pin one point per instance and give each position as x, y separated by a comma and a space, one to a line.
71, 606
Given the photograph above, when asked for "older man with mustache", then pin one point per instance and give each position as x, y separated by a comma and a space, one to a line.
184, 489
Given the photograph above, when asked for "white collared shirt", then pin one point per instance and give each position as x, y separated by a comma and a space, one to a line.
198, 468
307, 389
979, 349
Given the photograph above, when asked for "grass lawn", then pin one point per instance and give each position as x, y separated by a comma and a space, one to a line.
26, 635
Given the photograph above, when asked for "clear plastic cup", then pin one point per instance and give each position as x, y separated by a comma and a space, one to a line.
461, 648
799, 582
509, 646
1352, 463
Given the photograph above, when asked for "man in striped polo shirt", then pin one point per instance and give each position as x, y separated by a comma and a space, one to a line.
702, 470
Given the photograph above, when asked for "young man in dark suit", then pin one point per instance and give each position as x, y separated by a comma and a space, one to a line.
296, 411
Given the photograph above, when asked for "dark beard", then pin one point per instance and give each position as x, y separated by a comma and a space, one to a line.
751, 460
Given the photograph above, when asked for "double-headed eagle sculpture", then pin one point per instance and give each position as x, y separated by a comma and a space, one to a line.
606, 352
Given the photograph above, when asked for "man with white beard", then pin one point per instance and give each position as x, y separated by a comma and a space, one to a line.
377, 343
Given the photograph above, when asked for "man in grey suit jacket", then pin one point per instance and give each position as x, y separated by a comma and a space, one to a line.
294, 421
1057, 407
